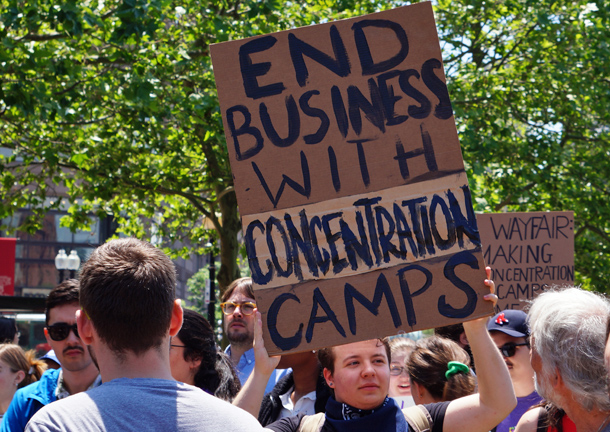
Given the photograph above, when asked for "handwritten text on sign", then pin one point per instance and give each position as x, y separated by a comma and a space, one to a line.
350, 179
527, 252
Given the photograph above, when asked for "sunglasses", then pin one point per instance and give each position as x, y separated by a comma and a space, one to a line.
509, 349
397, 370
247, 308
61, 331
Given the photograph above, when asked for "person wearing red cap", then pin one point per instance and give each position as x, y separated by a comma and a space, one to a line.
510, 333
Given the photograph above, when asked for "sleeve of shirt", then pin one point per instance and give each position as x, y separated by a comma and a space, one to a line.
437, 412
15, 418
286, 424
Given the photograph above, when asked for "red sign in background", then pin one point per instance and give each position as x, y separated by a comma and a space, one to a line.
7, 266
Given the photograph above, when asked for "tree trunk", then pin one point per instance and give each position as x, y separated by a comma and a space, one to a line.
229, 245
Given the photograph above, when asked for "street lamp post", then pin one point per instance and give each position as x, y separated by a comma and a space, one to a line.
73, 263
212, 296
65, 262
61, 263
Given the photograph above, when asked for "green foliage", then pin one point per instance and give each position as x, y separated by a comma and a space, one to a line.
114, 105
530, 89
196, 286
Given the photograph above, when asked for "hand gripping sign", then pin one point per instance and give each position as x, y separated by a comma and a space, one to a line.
356, 211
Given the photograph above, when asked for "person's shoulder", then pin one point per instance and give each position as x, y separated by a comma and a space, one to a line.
61, 413
286, 424
219, 414
46, 383
529, 420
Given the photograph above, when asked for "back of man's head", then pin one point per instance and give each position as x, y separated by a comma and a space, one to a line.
63, 294
128, 289
569, 329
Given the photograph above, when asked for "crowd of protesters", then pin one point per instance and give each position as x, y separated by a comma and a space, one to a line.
132, 359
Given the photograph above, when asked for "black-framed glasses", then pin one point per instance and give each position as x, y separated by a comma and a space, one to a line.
174, 345
397, 370
247, 308
60, 331
510, 348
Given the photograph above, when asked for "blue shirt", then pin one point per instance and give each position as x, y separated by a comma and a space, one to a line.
246, 365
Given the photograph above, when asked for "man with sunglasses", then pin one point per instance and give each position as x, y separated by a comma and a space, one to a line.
238, 304
129, 313
510, 333
78, 371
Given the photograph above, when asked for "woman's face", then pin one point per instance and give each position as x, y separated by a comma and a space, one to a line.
8, 382
400, 385
362, 374
182, 370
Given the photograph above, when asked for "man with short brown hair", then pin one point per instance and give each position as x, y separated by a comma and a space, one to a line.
129, 314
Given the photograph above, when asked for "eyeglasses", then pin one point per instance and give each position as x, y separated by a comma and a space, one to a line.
61, 331
247, 308
509, 349
397, 370
174, 345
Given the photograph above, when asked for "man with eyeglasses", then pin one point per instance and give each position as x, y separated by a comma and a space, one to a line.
78, 372
238, 304
510, 333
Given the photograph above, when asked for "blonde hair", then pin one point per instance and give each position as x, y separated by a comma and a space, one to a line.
400, 344
16, 359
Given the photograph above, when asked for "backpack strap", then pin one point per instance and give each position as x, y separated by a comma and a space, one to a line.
418, 418
312, 423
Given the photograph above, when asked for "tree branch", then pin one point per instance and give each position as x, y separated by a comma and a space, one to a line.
593, 229
509, 198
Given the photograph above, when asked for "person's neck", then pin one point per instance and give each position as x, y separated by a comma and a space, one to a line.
524, 387
238, 350
79, 381
587, 420
305, 380
5, 403
153, 363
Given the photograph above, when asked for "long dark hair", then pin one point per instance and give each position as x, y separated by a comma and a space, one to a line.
216, 374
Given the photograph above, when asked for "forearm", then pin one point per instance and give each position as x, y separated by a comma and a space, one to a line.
251, 394
496, 392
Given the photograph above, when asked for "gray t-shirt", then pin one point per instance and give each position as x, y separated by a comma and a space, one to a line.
142, 404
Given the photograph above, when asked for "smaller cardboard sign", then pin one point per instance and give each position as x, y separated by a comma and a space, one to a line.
7, 266
528, 252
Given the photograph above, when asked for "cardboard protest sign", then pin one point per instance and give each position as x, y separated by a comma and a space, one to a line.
356, 211
527, 252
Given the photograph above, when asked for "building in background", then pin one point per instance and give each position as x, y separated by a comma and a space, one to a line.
35, 272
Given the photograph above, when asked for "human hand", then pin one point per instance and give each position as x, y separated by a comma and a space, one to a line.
492, 297
264, 363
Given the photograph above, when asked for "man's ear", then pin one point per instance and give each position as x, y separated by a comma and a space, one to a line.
557, 380
85, 327
46, 335
176, 322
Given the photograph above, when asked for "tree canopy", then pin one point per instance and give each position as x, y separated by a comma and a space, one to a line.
114, 105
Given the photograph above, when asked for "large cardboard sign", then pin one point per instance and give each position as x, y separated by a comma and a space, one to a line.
527, 252
355, 206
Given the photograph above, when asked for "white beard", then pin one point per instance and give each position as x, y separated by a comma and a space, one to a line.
545, 389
